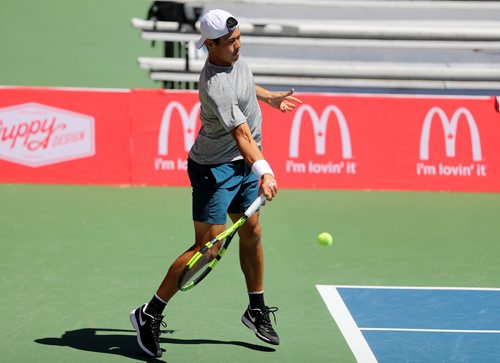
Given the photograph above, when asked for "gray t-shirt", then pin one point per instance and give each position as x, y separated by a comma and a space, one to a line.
228, 99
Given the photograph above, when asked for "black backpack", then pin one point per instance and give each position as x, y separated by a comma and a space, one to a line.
172, 11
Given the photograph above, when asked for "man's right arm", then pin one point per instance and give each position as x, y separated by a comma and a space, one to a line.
254, 157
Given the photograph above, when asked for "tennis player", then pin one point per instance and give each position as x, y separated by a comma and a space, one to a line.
227, 170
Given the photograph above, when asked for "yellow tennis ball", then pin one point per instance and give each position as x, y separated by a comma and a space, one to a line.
325, 239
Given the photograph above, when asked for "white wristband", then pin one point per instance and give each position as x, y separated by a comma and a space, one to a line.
261, 167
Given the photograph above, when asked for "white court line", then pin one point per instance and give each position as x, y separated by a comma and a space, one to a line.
415, 287
346, 324
433, 330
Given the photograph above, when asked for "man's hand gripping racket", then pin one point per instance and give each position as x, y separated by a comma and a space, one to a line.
205, 260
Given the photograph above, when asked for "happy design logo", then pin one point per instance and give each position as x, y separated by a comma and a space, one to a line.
37, 135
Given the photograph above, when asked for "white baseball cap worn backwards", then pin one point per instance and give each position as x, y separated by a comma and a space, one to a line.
215, 24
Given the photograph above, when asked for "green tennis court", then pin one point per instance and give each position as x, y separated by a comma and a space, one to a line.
76, 259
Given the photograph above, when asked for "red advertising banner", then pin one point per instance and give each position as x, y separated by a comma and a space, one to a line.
331, 141
386, 142
338, 141
164, 127
64, 136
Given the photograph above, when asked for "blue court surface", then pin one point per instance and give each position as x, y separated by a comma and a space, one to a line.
417, 324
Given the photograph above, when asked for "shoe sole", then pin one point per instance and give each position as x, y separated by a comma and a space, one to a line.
250, 326
135, 324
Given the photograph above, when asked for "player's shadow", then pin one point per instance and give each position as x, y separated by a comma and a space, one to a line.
124, 342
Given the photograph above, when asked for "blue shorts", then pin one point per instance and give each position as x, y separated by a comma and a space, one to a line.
221, 189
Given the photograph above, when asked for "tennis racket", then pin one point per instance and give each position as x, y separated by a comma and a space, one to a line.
205, 260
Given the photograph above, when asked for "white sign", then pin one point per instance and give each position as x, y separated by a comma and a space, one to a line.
36, 135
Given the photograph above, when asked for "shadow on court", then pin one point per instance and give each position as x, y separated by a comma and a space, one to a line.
107, 341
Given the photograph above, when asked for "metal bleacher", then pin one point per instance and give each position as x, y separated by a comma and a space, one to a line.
410, 46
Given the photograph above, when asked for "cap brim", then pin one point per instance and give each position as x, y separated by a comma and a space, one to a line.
200, 42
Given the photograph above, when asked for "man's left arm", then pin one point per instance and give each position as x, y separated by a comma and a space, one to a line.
283, 101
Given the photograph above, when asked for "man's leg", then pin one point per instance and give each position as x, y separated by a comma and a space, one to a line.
256, 317
210, 205
147, 319
251, 255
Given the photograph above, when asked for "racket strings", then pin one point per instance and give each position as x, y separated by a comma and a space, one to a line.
201, 265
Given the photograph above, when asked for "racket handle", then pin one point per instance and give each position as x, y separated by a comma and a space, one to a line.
255, 205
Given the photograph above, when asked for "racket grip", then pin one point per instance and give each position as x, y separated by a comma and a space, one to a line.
255, 205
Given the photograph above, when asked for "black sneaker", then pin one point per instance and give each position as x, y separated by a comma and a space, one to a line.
147, 327
258, 321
